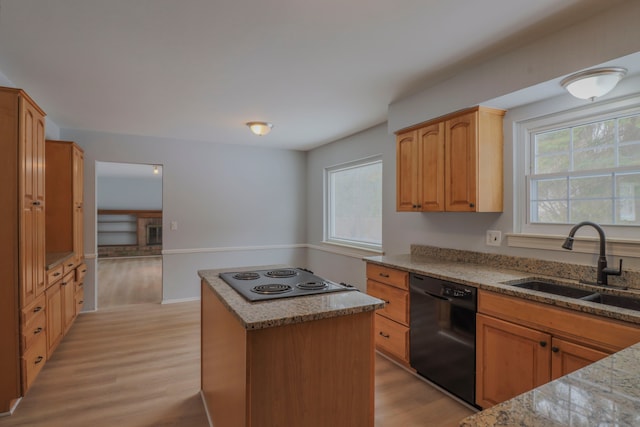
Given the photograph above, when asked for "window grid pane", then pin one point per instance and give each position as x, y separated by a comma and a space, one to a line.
355, 204
587, 172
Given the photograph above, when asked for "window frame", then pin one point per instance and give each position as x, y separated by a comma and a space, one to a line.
327, 202
524, 132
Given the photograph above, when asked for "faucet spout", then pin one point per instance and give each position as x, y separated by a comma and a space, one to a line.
603, 272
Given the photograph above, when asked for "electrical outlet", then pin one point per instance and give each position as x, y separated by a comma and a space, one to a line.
174, 225
494, 237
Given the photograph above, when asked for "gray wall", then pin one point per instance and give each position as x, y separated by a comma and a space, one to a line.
129, 193
234, 205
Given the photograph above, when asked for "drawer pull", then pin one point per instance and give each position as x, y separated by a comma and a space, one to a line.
37, 331
70, 264
555, 349
64, 283
384, 275
56, 274
383, 335
81, 302
543, 343
37, 309
39, 359
83, 271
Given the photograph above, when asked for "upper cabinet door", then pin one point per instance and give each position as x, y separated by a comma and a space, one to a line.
431, 154
461, 167
407, 173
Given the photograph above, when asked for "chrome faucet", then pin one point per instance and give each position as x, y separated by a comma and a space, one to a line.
603, 271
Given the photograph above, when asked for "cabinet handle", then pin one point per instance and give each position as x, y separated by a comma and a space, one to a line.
386, 301
36, 203
419, 206
383, 335
38, 360
555, 349
56, 274
37, 309
64, 283
543, 343
81, 302
471, 205
83, 271
70, 264
384, 275
37, 331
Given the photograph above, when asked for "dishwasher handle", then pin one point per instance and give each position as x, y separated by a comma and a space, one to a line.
440, 297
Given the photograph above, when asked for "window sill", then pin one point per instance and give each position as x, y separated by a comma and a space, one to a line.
617, 247
346, 250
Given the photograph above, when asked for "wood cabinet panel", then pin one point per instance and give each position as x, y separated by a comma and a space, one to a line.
33, 361
510, 360
67, 287
461, 135
55, 317
390, 276
431, 155
392, 338
33, 321
54, 274
407, 172
567, 357
396, 301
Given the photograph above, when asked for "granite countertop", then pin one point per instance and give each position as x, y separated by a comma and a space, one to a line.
500, 280
52, 259
605, 393
284, 311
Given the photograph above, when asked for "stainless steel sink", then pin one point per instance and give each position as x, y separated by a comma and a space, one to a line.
554, 288
566, 290
614, 300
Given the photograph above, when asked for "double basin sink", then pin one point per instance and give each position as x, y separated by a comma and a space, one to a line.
565, 290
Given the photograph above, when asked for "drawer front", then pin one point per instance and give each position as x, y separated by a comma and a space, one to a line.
390, 276
54, 274
79, 299
32, 362
28, 313
33, 330
392, 337
69, 266
81, 271
396, 301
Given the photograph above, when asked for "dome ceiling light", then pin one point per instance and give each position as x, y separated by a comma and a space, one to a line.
591, 84
260, 128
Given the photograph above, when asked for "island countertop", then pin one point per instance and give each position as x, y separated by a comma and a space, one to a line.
285, 311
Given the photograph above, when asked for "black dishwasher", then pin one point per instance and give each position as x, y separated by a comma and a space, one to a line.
443, 330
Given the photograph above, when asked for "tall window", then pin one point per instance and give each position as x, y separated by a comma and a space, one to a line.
588, 170
353, 203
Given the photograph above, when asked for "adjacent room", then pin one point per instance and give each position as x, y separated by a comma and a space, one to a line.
349, 214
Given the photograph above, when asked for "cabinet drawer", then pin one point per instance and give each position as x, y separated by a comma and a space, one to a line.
396, 301
81, 271
390, 276
69, 265
79, 299
32, 361
33, 330
392, 337
28, 313
54, 274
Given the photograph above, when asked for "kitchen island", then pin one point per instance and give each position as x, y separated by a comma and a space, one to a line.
286, 362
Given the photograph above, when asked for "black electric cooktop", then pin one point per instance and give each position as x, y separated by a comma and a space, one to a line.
260, 285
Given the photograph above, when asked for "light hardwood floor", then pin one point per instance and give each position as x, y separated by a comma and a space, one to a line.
123, 281
139, 366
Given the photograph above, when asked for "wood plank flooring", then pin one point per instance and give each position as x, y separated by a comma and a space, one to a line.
139, 366
123, 281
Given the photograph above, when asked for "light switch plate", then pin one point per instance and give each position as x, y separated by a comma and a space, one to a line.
494, 238
174, 225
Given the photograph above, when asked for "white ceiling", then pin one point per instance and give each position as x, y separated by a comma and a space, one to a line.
200, 69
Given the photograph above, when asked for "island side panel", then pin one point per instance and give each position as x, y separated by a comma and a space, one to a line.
223, 374
314, 374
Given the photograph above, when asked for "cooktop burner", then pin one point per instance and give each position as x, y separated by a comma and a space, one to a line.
271, 288
262, 285
281, 273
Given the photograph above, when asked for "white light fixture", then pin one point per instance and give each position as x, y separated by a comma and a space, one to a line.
260, 128
156, 170
591, 84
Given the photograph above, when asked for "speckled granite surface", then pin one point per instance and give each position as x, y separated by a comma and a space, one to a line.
284, 311
485, 275
606, 393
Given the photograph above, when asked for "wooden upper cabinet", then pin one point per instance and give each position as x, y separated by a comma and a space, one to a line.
407, 171
65, 210
459, 164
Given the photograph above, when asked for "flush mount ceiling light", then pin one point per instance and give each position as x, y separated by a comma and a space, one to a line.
591, 84
260, 128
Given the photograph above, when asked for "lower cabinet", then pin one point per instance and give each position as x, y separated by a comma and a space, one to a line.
68, 300
521, 345
55, 316
391, 322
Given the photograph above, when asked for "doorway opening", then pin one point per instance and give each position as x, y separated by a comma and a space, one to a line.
129, 233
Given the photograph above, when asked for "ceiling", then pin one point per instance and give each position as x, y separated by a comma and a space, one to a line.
199, 69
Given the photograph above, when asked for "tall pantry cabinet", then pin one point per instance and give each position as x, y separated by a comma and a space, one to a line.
22, 244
